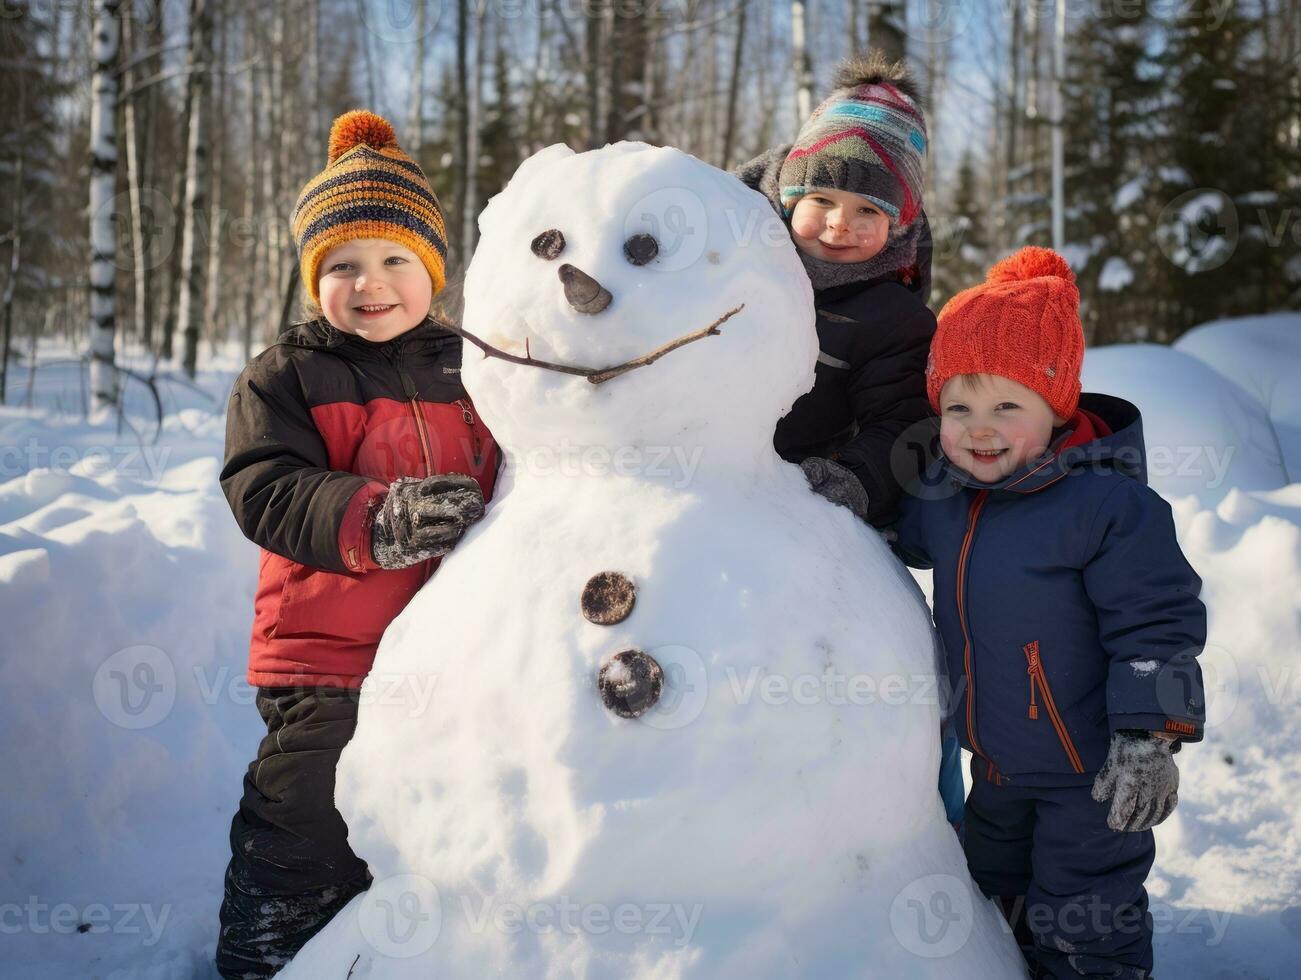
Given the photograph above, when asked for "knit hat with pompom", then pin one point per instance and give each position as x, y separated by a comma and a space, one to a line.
1021, 323
868, 137
369, 188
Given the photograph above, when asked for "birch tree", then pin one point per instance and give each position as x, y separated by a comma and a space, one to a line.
103, 173
193, 263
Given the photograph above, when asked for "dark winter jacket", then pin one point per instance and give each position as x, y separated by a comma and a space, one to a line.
874, 331
318, 425
1066, 607
869, 389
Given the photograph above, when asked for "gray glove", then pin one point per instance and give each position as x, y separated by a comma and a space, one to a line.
423, 519
837, 483
1141, 780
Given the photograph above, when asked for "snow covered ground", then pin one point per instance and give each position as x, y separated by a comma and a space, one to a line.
126, 599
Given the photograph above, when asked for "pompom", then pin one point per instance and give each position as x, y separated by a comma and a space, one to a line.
1030, 262
874, 68
357, 127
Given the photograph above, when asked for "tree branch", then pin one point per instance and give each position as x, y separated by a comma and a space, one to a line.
595, 375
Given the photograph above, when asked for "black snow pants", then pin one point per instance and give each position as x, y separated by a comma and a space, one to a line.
291, 868
1047, 855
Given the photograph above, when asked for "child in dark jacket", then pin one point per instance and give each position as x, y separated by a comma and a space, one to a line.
354, 459
850, 192
1070, 617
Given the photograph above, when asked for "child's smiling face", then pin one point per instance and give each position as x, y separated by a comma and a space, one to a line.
839, 226
374, 288
992, 426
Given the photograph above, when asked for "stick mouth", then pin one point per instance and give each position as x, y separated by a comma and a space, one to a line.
594, 375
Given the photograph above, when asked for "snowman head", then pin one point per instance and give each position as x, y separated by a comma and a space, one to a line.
595, 259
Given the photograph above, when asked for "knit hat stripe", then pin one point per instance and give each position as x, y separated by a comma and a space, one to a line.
352, 195
888, 116
868, 138
376, 176
374, 213
369, 188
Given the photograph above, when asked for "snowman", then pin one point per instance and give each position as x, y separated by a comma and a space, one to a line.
664, 712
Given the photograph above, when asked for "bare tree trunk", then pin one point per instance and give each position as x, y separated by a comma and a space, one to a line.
593, 24
217, 222
103, 172
803, 69
414, 136
190, 313
886, 24
253, 192
135, 187
15, 260
1011, 120
734, 84
469, 226
462, 123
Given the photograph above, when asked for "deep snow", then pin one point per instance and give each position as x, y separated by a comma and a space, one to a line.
124, 574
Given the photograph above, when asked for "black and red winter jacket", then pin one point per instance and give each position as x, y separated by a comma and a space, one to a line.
319, 424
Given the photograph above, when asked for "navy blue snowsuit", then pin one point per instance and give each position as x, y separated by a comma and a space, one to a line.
1068, 612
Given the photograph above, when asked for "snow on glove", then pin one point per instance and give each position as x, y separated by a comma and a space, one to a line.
1141, 780
422, 519
837, 483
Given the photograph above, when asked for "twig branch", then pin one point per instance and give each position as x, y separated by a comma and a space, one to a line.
655, 355
595, 375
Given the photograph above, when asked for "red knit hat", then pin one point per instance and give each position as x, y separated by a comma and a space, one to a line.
1021, 323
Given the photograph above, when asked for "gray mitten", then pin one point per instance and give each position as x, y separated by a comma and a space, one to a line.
422, 519
1141, 780
837, 483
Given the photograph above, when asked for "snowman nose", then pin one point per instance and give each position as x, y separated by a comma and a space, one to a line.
584, 293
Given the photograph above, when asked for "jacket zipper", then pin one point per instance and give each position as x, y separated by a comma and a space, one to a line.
467, 417
409, 387
1035, 669
964, 557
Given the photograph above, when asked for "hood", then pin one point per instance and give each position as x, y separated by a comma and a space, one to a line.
1076, 448
906, 256
321, 334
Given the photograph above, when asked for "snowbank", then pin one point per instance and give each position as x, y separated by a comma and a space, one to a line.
123, 829
1205, 434
1261, 354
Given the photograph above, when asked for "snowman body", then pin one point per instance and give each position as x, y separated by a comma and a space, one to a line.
768, 807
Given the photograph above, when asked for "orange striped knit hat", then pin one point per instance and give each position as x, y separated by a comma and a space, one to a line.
369, 188
1021, 323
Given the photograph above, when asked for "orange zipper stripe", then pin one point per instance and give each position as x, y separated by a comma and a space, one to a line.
974, 514
425, 449
1037, 672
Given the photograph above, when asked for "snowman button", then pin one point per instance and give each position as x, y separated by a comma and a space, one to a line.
608, 598
630, 683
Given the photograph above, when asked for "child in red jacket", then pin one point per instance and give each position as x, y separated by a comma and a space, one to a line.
355, 460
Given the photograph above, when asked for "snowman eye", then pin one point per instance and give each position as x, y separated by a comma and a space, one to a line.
641, 248
549, 244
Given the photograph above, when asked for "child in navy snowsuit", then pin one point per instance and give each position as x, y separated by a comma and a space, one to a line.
1070, 617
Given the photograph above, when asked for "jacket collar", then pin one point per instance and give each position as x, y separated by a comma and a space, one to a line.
1106, 432
321, 334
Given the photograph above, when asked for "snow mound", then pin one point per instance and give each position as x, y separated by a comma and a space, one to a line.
1205, 434
1262, 354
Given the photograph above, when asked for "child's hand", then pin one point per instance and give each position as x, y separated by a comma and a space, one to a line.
423, 519
1141, 780
835, 482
